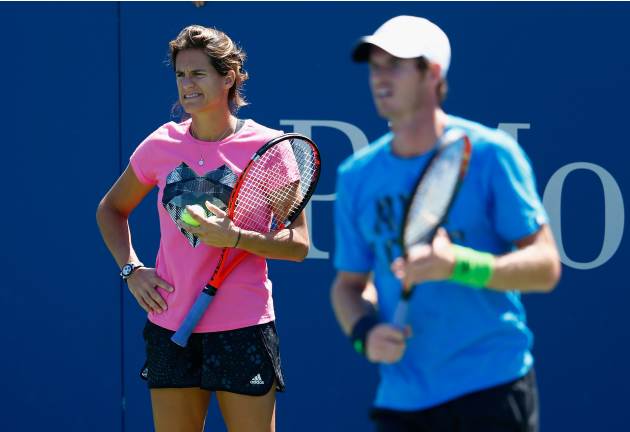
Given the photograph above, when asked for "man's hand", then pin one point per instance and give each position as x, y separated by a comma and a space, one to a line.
386, 343
427, 262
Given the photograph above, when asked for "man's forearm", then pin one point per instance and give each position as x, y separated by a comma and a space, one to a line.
349, 303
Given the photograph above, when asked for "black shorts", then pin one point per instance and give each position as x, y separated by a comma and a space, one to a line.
244, 361
511, 407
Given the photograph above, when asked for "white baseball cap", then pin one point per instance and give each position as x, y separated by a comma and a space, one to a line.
408, 37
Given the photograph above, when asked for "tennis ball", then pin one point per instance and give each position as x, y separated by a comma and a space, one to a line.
188, 219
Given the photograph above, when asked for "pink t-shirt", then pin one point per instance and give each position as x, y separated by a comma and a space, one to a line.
169, 158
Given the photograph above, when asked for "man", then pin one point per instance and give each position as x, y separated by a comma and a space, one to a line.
464, 363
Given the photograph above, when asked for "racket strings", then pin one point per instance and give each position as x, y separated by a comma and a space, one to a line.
275, 186
433, 194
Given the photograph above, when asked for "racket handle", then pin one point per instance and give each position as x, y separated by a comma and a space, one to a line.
192, 318
400, 314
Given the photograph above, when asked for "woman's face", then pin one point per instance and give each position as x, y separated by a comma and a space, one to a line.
201, 88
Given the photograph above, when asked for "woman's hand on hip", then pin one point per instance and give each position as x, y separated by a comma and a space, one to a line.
143, 284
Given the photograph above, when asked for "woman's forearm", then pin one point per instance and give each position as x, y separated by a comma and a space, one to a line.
114, 228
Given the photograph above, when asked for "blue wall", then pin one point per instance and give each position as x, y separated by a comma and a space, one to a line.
83, 84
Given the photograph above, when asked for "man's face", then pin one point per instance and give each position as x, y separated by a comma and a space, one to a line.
398, 86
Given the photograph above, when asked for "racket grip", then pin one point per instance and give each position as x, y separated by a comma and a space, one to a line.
400, 314
190, 322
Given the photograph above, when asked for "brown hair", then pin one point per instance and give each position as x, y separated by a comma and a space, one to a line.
442, 88
223, 53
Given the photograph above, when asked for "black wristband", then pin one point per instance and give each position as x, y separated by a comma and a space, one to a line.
360, 330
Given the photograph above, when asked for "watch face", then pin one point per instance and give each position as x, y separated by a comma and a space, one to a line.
127, 269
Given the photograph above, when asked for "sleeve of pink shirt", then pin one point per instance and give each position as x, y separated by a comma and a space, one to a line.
141, 161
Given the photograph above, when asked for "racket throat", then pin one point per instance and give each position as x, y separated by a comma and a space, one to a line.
210, 290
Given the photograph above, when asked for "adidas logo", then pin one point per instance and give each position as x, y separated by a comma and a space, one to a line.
256, 380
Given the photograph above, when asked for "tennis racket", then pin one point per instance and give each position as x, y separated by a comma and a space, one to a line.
269, 195
433, 196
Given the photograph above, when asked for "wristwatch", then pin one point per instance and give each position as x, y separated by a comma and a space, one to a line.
128, 269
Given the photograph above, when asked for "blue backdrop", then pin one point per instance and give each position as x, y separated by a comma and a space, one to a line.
85, 83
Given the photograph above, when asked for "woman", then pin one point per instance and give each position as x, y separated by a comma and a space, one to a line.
234, 351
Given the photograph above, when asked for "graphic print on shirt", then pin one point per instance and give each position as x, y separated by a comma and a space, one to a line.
184, 187
387, 225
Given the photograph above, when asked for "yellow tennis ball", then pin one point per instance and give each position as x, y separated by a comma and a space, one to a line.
188, 219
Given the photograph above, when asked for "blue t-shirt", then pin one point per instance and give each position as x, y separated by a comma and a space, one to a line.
464, 339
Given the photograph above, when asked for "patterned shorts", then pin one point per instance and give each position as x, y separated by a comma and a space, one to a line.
244, 361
